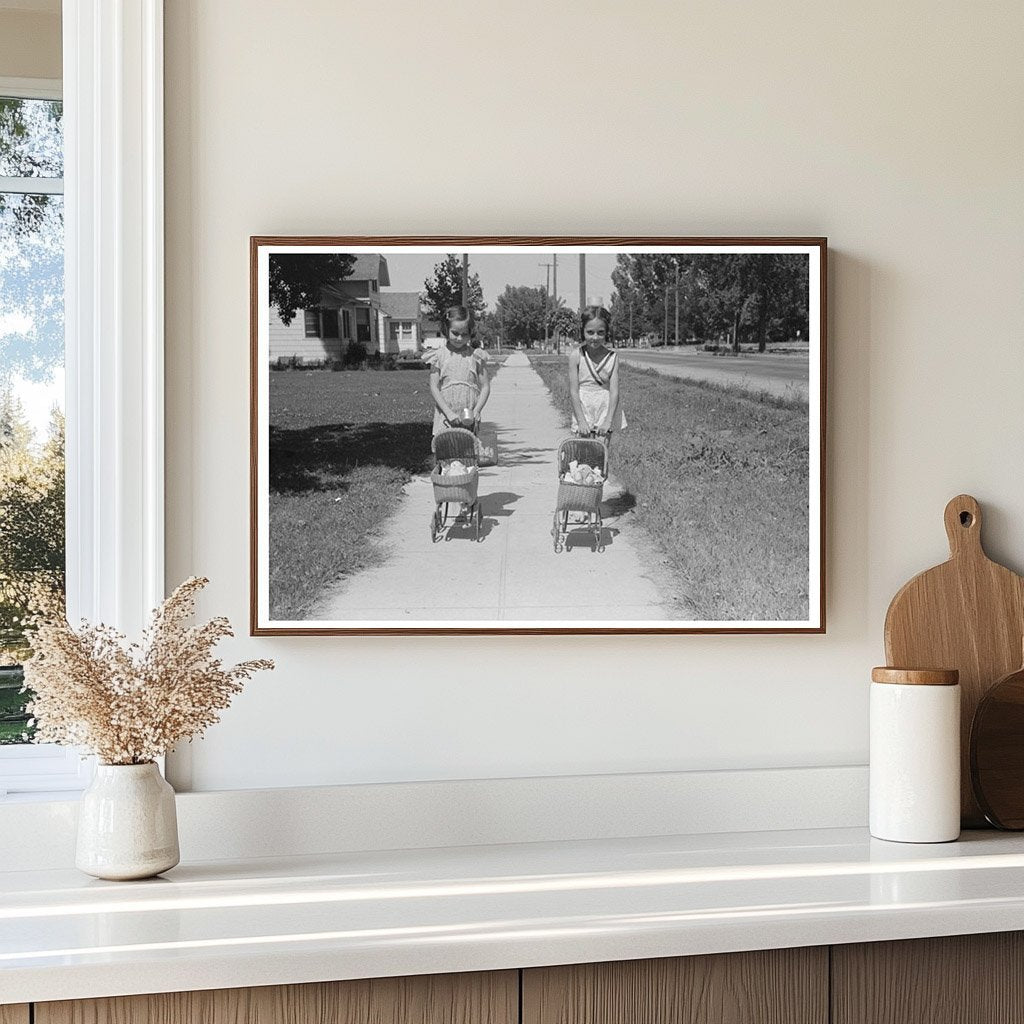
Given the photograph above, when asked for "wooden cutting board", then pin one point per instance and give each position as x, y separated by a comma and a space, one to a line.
997, 752
967, 614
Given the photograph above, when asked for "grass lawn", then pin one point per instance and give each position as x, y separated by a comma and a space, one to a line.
342, 446
720, 481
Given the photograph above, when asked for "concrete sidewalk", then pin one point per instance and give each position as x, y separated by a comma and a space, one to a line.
513, 574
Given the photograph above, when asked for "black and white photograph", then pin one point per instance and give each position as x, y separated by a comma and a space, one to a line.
537, 435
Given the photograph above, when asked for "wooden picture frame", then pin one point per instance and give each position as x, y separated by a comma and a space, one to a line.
721, 371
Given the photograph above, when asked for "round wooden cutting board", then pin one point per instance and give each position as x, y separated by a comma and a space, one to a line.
967, 614
997, 752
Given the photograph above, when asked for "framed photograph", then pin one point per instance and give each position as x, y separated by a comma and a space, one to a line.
537, 435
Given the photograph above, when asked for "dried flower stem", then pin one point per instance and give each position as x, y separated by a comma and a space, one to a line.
130, 703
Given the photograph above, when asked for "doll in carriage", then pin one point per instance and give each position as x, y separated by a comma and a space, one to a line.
456, 482
582, 465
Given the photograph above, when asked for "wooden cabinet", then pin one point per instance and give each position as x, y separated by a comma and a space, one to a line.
482, 998
967, 979
777, 986
962, 979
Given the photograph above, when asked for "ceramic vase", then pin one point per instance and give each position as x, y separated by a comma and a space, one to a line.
127, 825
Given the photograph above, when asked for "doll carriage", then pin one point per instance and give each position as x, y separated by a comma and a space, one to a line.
456, 478
582, 494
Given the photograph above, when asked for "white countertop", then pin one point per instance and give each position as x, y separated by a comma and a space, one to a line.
224, 924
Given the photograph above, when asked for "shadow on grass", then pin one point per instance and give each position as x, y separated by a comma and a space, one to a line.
619, 505
319, 457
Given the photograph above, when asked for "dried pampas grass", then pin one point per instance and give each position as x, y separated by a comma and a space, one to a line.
130, 703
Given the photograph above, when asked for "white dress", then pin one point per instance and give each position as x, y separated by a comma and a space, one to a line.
595, 391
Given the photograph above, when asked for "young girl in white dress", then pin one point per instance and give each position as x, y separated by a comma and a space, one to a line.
458, 374
594, 378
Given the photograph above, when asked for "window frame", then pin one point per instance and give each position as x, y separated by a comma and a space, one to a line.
112, 89
37, 767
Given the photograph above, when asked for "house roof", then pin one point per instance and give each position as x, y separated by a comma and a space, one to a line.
370, 266
401, 305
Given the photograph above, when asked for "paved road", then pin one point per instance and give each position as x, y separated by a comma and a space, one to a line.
784, 376
513, 574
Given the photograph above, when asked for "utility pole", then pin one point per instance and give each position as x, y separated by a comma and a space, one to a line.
677, 301
583, 281
554, 291
665, 333
631, 341
547, 293
465, 279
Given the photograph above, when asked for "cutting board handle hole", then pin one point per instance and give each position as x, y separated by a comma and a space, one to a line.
966, 519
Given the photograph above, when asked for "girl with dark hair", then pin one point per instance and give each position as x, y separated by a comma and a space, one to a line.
459, 382
594, 377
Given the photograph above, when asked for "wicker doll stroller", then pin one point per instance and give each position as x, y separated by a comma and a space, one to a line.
455, 494
583, 496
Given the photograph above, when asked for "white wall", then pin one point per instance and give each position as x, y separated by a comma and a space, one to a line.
30, 41
895, 129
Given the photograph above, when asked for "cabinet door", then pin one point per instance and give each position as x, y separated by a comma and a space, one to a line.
483, 998
778, 986
14, 1014
961, 979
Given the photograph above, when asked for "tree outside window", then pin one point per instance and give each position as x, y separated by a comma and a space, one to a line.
32, 545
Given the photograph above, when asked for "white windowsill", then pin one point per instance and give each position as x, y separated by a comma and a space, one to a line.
351, 915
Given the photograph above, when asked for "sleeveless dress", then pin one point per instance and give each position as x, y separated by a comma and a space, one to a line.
460, 372
595, 391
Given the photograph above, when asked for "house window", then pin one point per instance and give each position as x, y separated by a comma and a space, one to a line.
373, 286
32, 536
401, 330
346, 323
312, 322
329, 319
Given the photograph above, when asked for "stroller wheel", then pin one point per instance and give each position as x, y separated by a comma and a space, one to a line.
556, 533
479, 523
598, 533
435, 525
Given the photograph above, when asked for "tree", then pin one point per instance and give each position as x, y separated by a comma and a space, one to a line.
488, 330
444, 288
564, 323
523, 311
732, 293
31, 242
32, 547
297, 279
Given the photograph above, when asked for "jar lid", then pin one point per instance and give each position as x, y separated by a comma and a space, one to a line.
916, 676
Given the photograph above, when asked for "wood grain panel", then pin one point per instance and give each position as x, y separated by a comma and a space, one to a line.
481, 998
14, 1014
961, 979
778, 986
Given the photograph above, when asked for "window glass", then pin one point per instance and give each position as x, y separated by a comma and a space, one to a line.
31, 386
311, 319
31, 138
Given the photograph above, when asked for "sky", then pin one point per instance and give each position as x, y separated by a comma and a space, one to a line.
409, 271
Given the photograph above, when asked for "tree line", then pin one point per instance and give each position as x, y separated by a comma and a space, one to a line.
32, 542
729, 298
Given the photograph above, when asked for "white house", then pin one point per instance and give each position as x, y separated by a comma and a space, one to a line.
400, 322
349, 311
433, 336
